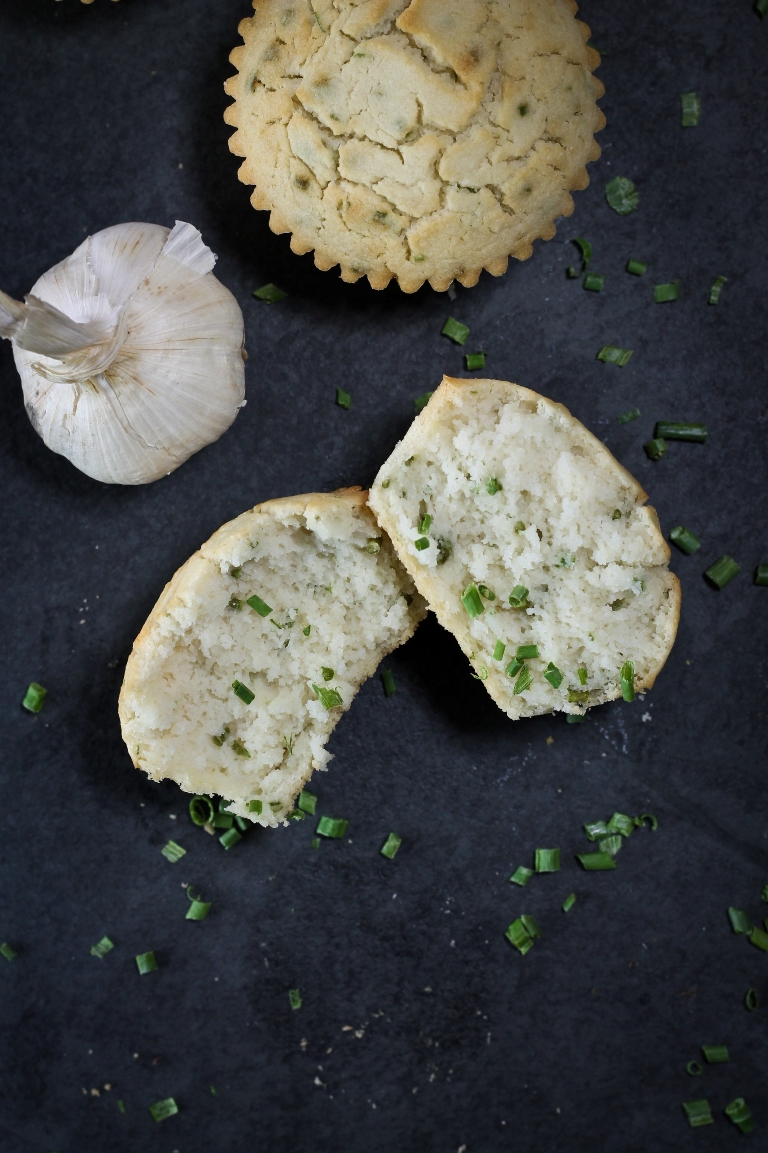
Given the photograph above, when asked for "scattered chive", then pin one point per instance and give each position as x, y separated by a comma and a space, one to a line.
513, 668
121, 1106
626, 417
493, 486
655, 449
761, 575
698, 1113
255, 807
146, 963
444, 550
421, 543
622, 195
612, 354
547, 861
307, 630
715, 1054
694, 1068
610, 845
722, 571
333, 827
596, 829
527, 652
740, 922
593, 282
636, 267
331, 698
455, 330
519, 936
664, 293
163, 1109
628, 681
620, 823
531, 928
391, 845
677, 430
327, 673
585, 248
596, 862
569, 902
243, 692
575, 718
759, 938
230, 838
519, 526
102, 947
716, 289
690, 109
473, 605
425, 523
685, 540
296, 815
422, 401
639, 822
198, 910
222, 737
259, 606
315, 842
388, 683
751, 1000
583, 674
343, 399
553, 675
34, 697
578, 696
521, 875
486, 593
373, 547
9, 953
201, 810
616, 514
499, 650
523, 682
236, 573
173, 852
738, 1112
518, 597
270, 294
474, 360
294, 996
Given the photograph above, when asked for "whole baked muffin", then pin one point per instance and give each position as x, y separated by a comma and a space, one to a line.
425, 140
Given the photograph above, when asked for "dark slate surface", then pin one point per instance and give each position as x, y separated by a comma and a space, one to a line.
421, 1028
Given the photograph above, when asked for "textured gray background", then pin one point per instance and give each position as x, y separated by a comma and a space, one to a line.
114, 112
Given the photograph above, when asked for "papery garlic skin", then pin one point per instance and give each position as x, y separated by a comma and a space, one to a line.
151, 370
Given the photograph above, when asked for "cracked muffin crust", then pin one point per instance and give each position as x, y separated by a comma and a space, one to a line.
422, 140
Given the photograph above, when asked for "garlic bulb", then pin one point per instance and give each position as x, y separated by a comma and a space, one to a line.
130, 352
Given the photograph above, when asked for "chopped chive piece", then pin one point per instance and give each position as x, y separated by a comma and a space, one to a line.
296, 815
616, 514
596, 830
610, 845
740, 922
486, 593
547, 861
583, 674
636, 267
715, 1054
521, 875
34, 697
327, 673
307, 630
242, 824
761, 7
499, 650
223, 820
593, 282
331, 698
553, 675
578, 696
759, 938
230, 838
343, 399
626, 417
333, 827
259, 606
596, 862
639, 822
222, 737
569, 902
751, 1000
628, 681
198, 910
373, 547
690, 109
9, 953
527, 652
585, 248
243, 692
101, 948
694, 1068
163, 1109
270, 294
761, 575
656, 448
622, 195
473, 605
518, 598
664, 293
275, 806
201, 810
523, 682
146, 963
575, 718
422, 401
717, 287
315, 842
685, 540
255, 807
391, 845
722, 571
425, 523
519, 936
493, 486
698, 1113
677, 430
474, 360
121, 1106
513, 668
421, 543
444, 550
388, 683
739, 1113
235, 604
455, 330
619, 823
530, 926
294, 996
612, 354
173, 852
